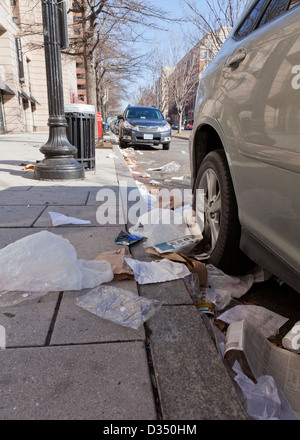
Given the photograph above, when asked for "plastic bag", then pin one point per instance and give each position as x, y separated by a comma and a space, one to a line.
168, 167
160, 226
221, 288
118, 305
157, 271
45, 262
265, 401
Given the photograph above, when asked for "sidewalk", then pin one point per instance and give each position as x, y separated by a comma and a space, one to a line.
62, 362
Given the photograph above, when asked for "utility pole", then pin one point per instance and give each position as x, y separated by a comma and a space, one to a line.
59, 162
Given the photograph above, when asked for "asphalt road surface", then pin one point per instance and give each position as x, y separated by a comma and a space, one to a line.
269, 294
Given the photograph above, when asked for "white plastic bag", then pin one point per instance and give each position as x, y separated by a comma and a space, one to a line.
221, 288
45, 262
118, 305
161, 225
157, 271
265, 401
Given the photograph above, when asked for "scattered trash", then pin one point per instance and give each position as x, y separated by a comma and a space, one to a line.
155, 182
177, 178
157, 271
118, 305
112, 155
184, 152
160, 226
265, 320
125, 238
145, 175
221, 288
168, 167
119, 266
194, 266
44, 262
264, 358
260, 275
265, 401
198, 293
29, 166
291, 340
148, 198
61, 219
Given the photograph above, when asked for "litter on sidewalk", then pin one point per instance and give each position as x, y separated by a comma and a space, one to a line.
125, 238
168, 230
167, 168
157, 271
61, 219
266, 321
119, 266
291, 341
262, 358
45, 262
119, 306
221, 288
265, 401
194, 266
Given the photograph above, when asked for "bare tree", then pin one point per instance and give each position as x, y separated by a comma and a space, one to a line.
215, 19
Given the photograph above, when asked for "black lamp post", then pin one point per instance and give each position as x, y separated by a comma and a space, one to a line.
59, 162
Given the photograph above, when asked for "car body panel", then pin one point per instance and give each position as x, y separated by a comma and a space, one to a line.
254, 106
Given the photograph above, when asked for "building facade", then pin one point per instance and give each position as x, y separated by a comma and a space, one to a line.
23, 84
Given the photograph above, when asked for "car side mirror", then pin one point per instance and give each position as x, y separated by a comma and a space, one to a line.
120, 117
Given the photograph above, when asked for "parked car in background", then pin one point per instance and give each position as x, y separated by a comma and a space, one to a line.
245, 145
189, 126
144, 125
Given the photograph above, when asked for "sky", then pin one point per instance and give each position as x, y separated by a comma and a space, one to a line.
159, 38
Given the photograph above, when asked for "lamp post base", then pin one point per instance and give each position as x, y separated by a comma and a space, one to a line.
59, 168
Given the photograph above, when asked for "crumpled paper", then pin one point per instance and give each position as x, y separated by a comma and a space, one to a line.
61, 219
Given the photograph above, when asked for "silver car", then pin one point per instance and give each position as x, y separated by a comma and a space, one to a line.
245, 145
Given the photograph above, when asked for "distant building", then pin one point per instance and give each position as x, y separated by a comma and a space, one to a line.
23, 84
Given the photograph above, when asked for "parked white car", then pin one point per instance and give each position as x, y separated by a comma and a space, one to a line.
245, 145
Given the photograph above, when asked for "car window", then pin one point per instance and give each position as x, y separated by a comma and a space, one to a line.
294, 3
249, 23
146, 113
275, 8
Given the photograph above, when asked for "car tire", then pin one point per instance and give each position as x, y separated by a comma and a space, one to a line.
221, 229
166, 146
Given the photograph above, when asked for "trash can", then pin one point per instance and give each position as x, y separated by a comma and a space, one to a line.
81, 132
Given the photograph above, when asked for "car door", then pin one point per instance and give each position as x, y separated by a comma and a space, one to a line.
260, 98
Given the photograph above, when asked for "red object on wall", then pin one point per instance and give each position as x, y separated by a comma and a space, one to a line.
99, 122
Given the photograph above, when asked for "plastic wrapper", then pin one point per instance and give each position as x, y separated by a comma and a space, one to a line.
168, 167
46, 262
119, 306
265, 401
125, 238
157, 271
221, 288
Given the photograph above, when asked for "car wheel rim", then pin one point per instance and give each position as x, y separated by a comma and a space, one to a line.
211, 208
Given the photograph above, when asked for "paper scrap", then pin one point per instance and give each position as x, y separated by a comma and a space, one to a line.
61, 219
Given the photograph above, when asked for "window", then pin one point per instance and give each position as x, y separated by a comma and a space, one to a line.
13, 2
15, 20
275, 8
248, 25
80, 97
80, 65
294, 3
81, 86
80, 76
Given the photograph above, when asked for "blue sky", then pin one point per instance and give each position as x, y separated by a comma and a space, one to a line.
159, 38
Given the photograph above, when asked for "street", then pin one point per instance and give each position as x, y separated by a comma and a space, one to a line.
269, 294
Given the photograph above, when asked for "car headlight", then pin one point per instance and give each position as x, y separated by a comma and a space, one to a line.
128, 125
164, 127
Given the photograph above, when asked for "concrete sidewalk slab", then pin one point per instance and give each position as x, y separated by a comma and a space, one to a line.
27, 323
192, 381
87, 240
19, 216
74, 325
78, 382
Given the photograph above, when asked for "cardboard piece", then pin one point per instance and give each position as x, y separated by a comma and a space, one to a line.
120, 268
194, 266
